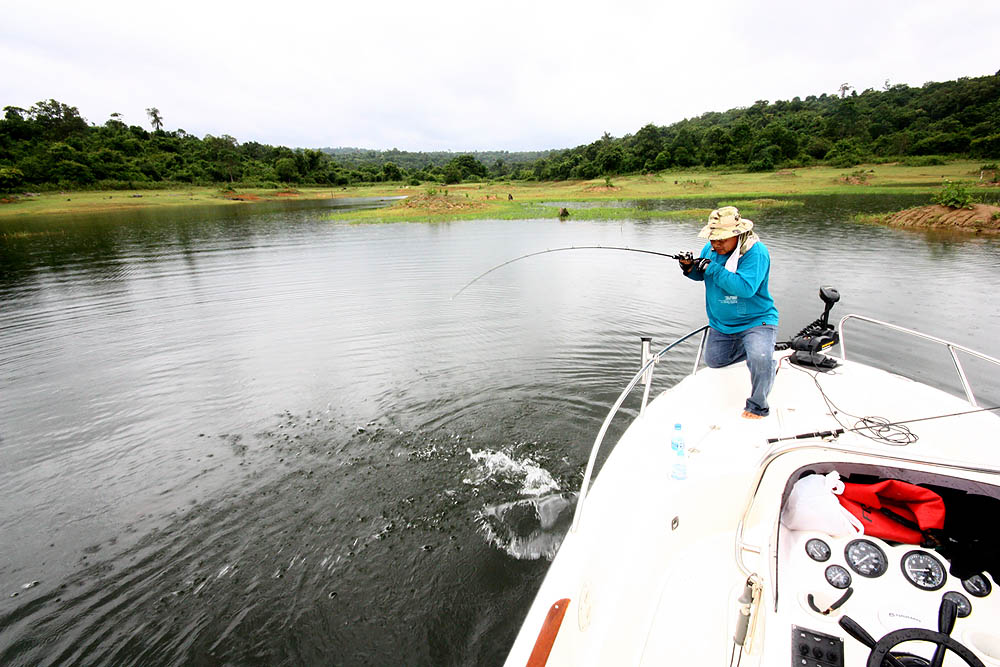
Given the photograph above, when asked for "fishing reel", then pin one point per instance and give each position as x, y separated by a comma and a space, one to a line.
818, 336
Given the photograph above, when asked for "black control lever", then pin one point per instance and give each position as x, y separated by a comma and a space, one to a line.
852, 628
947, 614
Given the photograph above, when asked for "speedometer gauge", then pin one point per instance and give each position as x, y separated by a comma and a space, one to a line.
923, 570
866, 558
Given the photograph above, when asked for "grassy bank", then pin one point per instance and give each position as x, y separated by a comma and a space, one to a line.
521, 199
87, 201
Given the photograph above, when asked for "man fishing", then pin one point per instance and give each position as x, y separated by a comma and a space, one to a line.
742, 318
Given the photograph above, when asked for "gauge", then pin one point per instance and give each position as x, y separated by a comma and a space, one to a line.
866, 558
923, 570
964, 606
818, 550
838, 577
977, 585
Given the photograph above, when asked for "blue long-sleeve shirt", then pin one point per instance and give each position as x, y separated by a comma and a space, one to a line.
737, 301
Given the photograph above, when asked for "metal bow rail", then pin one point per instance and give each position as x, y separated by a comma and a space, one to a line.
953, 348
645, 375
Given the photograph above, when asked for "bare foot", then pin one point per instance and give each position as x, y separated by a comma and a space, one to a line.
749, 415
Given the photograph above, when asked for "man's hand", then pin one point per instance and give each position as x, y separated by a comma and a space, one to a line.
689, 263
686, 260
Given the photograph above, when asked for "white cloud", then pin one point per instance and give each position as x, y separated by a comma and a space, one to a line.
457, 75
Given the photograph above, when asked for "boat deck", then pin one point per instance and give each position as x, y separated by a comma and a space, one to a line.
652, 553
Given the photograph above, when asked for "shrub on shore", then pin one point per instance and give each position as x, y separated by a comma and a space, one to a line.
954, 194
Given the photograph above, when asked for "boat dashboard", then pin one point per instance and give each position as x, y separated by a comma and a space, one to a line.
883, 587
889, 588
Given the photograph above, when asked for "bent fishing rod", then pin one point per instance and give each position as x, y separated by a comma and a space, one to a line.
681, 255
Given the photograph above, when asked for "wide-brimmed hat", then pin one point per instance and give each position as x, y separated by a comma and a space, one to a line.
724, 223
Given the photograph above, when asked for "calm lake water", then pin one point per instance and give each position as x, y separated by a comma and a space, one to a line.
252, 435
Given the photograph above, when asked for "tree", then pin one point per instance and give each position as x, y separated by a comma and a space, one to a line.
647, 144
609, 158
845, 153
155, 119
10, 178
845, 88
391, 172
779, 135
469, 166
286, 170
56, 120
988, 146
115, 122
452, 173
224, 154
717, 144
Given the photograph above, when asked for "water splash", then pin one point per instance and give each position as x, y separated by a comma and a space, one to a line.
501, 468
530, 528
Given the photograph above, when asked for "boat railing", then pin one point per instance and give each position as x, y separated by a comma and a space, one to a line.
644, 375
953, 349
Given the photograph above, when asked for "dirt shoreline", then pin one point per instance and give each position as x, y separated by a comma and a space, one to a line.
980, 219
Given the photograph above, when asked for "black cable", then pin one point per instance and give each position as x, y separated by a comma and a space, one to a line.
874, 428
881, 429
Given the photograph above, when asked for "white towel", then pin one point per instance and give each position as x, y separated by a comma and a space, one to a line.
747, 239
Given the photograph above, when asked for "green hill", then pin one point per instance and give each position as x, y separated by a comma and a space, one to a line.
51, 146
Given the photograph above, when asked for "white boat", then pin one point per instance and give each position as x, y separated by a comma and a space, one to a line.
702, 570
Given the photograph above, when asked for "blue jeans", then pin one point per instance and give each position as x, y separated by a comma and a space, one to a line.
756, 345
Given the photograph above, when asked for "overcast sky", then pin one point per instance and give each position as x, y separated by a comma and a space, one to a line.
468, 75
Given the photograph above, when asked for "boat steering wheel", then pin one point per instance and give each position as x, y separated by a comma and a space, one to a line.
883, 646
881, 650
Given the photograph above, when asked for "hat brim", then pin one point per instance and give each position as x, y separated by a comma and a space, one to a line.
718, 234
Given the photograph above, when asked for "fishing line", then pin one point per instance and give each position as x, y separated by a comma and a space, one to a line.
576, 247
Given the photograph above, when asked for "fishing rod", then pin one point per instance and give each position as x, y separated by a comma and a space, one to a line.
681, 255
873, 423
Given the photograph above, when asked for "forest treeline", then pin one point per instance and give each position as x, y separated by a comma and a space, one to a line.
953, 118
51, 145
415, 160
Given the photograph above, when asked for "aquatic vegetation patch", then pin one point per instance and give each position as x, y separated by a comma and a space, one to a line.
630, 213
856, 177
28, 235
762, 203
445, 203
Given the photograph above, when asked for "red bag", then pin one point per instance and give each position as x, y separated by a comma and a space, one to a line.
893, 510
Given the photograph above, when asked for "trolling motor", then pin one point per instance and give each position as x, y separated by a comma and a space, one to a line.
816, 337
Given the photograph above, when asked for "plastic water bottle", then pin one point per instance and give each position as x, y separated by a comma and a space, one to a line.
679, 468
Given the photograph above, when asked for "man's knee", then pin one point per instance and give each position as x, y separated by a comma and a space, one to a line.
712, 362
759, 359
